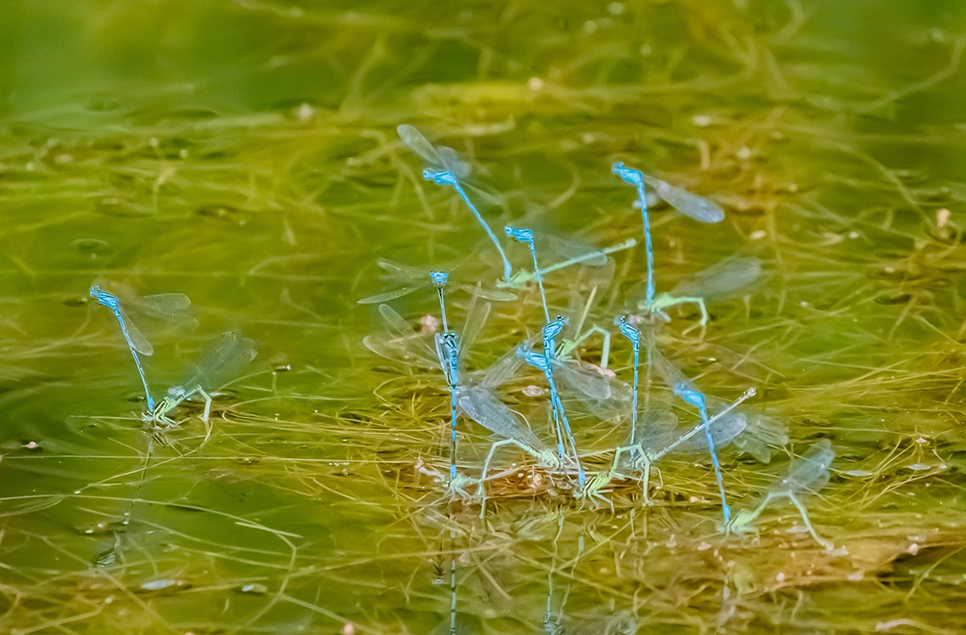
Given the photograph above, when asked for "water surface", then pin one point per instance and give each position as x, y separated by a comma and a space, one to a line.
245, 154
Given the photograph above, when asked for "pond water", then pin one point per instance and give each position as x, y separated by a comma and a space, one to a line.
245, 154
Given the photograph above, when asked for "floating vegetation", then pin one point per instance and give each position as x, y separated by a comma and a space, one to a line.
451, 428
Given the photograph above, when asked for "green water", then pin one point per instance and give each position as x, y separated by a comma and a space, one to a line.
244, 153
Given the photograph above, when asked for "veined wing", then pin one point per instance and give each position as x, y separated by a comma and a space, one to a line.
168, 307
588, 254
724, 430
482, 406
475, 319
811, 472
587, 289
762, 436
697, 207
507, 365
442, 157
668, 371
416, 142
590, 383
412, 274
225, 359
141, 343
402, 350
418, 276
488, 294
444, 160
720, 416
379, 298
165, 303
659, 430
397, 325
656, 427
402, 343
768, 429
722, 279
461, 169
564, 253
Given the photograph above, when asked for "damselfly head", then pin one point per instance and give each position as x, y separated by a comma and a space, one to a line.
439, 278
104, 298
629, 331
630, 175
451, 339
688, 394
439, 177
521, 235
553, 329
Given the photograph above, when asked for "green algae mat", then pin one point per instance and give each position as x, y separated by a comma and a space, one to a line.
246, 155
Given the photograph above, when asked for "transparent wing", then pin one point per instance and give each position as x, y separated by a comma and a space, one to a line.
402, 343
485, 197
590, 383
379, 298
167, 307
750, 444
475, 319
724, 430
418, 275
506, 366
636, 296
768, 429
141, 343
405, 350
724, 418
762, 436
489, 294
697, 207
452, 162
721, 280
416, 142
396, 270
554, 253
165, 303
587, 289
627, 244
602, 276
397, 325
811, 472
502, 370
656, 427
482, 406
224, 360
668, 371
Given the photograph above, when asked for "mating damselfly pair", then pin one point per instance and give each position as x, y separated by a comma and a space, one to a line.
228, 355
578, 392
